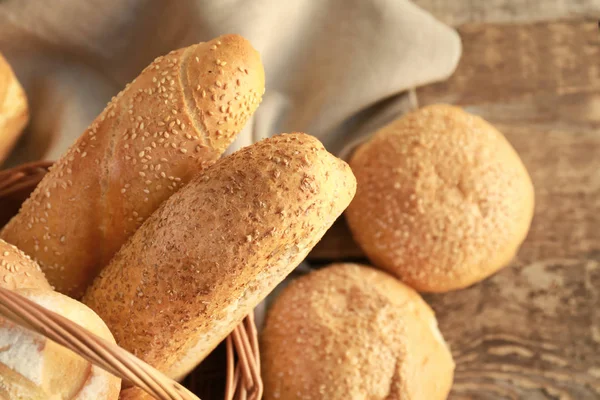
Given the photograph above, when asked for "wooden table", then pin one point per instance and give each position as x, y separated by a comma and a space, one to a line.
531, 331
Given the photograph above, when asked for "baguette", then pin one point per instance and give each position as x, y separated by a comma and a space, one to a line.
216, 248
174, 119
35, 368
18, 271
14, 112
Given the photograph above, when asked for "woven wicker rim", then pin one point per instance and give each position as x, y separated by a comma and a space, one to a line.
243, 379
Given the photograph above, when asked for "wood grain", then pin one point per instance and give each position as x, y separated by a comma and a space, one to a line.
459, 12
531, 331
505, 62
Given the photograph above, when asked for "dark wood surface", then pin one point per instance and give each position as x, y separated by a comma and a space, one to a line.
531, 331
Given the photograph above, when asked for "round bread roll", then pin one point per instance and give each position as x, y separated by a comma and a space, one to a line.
17, 270
352, 332
35, 368
443, 200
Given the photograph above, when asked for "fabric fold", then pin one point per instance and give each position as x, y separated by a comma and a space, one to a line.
330, 64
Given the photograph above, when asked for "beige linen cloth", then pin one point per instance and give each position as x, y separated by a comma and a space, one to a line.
337, 69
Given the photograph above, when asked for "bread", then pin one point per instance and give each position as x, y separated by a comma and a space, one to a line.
14, 113
134, 393
35, 368
173, 120
443, 200
217, 247
352, 332
17, 270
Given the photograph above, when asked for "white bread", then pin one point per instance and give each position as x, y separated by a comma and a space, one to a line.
14, 112
352, 332
35, 368
174, 119
18, 271
443, 200
217, 247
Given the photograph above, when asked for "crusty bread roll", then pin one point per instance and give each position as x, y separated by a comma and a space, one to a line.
35, 368
18, 271
14, 112
177, 117
352, 332
217, 247
443, 200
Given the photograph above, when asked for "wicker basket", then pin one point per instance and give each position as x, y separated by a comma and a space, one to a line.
242, 378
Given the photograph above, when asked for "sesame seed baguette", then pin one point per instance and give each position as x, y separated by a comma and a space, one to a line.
217, 247
14, 112
17, 270
174, 119
33, 367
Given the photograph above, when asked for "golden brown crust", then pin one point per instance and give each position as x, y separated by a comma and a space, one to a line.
352, 332
217, 247
443, 200
134, 393
172, 121
14, 112
18, 271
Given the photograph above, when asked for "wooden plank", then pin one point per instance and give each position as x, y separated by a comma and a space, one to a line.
458, 12
506, 62
531, 331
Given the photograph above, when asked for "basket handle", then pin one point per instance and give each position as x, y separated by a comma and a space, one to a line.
93, 348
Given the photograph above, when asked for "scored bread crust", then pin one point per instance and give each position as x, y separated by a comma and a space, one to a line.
14, 112
217, 247
17, 270
173, 120
348, 331
35, 368
443, 200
